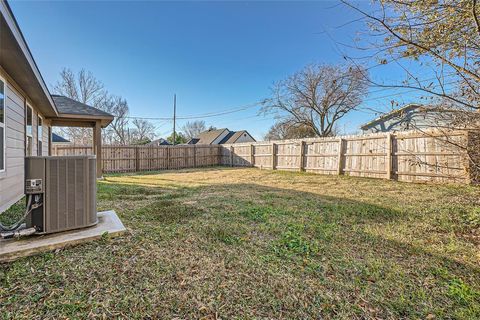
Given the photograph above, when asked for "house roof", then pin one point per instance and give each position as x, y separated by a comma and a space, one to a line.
17, 60
233, 136
390, 115
69, 108
193, 141
158, 142
207, 137
57, 138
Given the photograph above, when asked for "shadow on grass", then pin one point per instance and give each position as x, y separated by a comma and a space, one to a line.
310, 227
329, 251
258, 203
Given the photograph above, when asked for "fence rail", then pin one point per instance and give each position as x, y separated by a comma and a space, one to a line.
140, 158
406, 156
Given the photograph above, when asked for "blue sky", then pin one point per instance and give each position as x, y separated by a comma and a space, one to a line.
213, 55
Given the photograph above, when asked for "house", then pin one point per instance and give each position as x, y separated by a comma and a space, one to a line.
222, 136
158, 142
409, 117
58, 139
28, 111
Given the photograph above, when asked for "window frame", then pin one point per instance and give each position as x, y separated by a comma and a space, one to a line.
39, 137
28, 152
4, 125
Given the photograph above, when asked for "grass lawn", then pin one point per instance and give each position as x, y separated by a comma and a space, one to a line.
245, 243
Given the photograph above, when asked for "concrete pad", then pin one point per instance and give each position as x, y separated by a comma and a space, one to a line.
108, 222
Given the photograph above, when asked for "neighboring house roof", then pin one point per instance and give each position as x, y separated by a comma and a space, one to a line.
209, 136
57, 138
193, 141
391, 114
233, 136
17, 60
158, 142
69, 108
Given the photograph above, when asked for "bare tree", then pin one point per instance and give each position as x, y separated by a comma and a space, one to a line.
284, 130
318, 96
443, 37
83, 87
194, 128
117, 132
143, 131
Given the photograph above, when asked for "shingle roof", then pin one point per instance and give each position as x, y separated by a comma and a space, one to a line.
232, 136
57, 138
207, 137
390, 114
158, 142
69, 106
193, 141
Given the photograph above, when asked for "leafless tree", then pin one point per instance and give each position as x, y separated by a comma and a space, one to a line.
284, 130
318, 96
143, 131
85, 88
117, 132
194, 128
443, 37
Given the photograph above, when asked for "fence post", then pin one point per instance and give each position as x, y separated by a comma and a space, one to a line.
302, 156
168, 157
340, 156
473, 157
252, 155
194, 156
273, 155
231, 156
389, 155
137, 159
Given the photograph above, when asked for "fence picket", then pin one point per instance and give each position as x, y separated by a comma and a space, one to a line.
406, 156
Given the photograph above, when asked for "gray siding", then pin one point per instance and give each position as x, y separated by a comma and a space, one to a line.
12, 180
245, 137
410, 120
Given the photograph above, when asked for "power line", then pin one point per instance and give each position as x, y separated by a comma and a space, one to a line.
201, 116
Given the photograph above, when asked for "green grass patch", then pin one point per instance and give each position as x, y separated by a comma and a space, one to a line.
256, 244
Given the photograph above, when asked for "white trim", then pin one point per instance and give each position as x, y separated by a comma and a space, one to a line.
39, 137
27, 135
4, 124
26, 119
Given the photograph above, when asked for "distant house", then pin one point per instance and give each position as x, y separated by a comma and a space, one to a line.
409, 117
58, 139
222, 136
158, 142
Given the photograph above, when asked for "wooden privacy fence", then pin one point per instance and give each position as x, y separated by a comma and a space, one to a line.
141, 158
405, 156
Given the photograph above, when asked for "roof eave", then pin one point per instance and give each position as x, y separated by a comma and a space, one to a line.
389, 115
39, 94
104, 120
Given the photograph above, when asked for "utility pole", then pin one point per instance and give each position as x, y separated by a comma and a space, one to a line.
174, 116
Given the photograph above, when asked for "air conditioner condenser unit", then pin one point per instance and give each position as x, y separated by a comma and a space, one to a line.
64, 191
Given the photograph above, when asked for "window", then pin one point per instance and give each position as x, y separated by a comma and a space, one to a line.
3, 146
39, 136
28, 129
